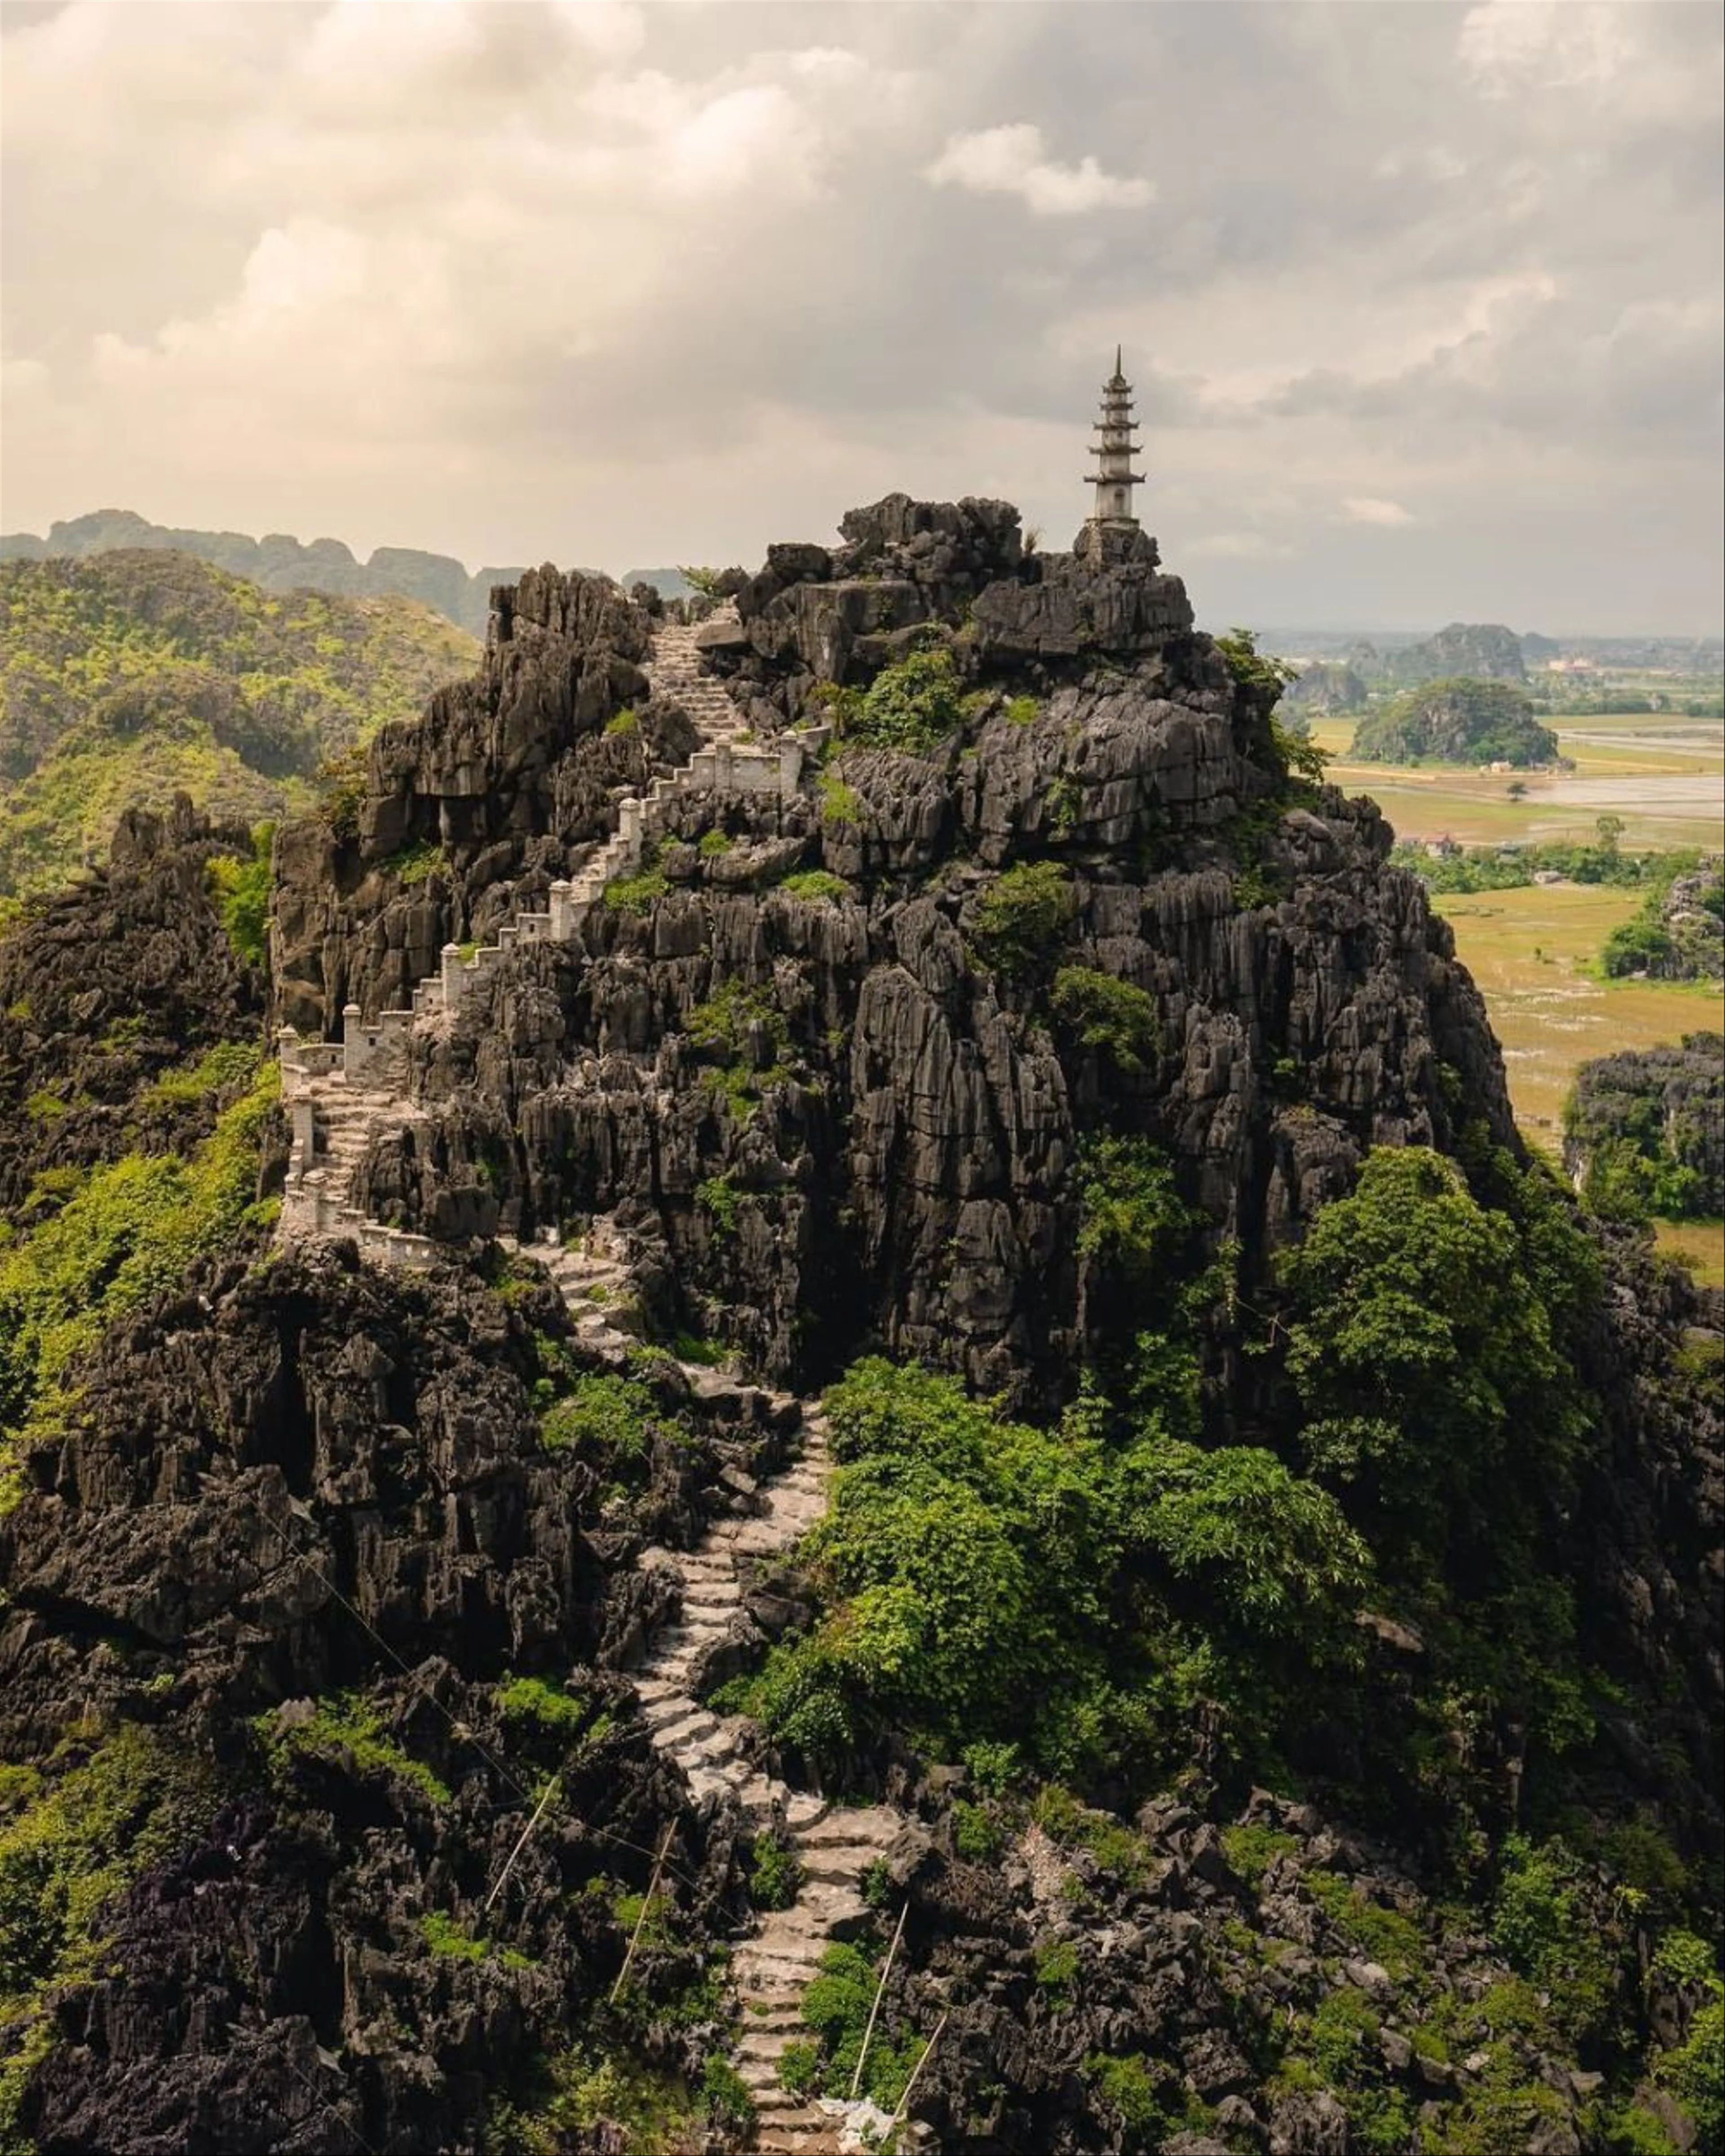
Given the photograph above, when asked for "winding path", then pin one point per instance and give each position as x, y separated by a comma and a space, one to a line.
339, 1105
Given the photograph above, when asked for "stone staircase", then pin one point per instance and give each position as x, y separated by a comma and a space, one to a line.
834, 1843
340, 1096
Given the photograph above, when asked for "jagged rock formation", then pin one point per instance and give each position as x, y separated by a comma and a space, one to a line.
109, 986
906, 1175
1663, 1109
795, 1042
1326, 686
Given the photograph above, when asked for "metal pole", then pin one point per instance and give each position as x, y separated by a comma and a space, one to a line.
647, 1903
539, 1814
916, 2069
868, 2033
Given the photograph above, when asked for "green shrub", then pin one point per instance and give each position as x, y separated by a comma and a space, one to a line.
640, 892
734, 1011
799, 2068
1385, 1935
1022, 710
836, 2006
1020, 916
1108, 1014
725, 2092
816, 886
1251, 667
911, 706
42, 1107
532, 1700
605, 1418
416, 863
977, 1833
722, 1201
1056, 1967
775, 1873
841, 803
1251, 1850
713, 845
625, 722
341, 784
242, 895
1695, 2072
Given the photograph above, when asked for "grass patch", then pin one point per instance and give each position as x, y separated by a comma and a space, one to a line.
416, 863
132, 1230
78, 1829
229, 1063
346, 1727
816, 886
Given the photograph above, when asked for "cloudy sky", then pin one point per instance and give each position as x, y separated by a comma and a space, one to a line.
1423, 302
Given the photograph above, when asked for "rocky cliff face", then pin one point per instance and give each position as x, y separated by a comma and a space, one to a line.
308, 1544
442, 827
107, 987
891, 1118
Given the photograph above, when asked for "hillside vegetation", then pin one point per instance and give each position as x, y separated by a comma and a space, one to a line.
1458, 720
1644, 1133
279, 563
132, 676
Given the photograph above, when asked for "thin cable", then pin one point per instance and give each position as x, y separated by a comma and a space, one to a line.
460, 1729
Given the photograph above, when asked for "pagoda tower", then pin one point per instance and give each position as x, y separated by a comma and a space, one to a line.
1114, 450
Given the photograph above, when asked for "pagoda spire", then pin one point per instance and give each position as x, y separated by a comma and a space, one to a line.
1114, 450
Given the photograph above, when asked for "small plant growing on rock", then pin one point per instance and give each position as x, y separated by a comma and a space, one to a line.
625, 722
722, 1201
976, 1833
816, 886
415, 864
775, 1873
1021, 913
713, 845
911, 706
1109, 1014
726, 2092
1022, 710
799, 2068
1056, 1967
605, 1417
638, 893
348, 1727
841, 803
446, 1937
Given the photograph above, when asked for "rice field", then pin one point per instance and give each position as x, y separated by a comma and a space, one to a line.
1531, 951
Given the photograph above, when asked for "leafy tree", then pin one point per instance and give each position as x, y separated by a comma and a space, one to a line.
1424, 1356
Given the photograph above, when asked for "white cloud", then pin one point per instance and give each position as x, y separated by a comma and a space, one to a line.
1509, 45
1372, 509
1011, 161
1236, 546
624, 283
